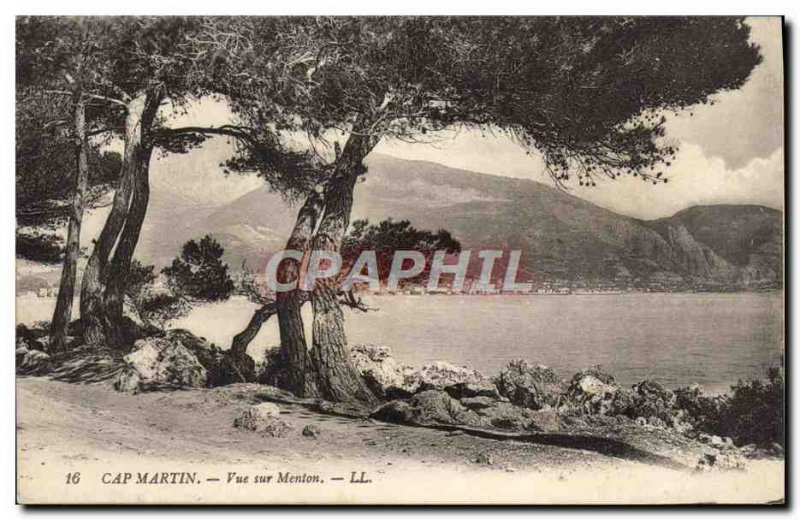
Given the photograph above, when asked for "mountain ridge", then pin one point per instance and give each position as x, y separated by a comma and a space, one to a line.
562, 237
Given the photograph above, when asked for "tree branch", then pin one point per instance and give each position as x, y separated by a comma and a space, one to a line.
91, 96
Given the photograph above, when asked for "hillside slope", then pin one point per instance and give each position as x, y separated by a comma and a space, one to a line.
562, 236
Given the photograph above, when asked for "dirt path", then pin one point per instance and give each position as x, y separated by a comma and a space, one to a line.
65, 428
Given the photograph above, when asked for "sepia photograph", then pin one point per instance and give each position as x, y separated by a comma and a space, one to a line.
399, 260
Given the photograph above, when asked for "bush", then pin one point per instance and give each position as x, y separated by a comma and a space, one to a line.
152, 306
751, 414
272, 370
199, 271
755, 411
704, 413
159, 308
139, 277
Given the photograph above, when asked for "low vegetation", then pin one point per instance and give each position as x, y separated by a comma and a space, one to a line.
751, 413
199, 271
522, 397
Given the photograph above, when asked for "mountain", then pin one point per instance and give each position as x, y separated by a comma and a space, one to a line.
562, 237
746, 241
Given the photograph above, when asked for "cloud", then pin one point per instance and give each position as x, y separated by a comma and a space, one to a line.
731, 152
694, 178
748, 122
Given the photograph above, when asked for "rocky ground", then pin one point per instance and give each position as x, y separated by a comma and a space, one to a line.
176, 399
91, 428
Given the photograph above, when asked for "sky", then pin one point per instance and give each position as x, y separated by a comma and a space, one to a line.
731, 152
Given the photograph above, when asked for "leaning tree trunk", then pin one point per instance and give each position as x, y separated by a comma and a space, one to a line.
66, 289
93, 284
240, 361
337, 377
119, 267
242, 340
294, 348
117, 271
287, 306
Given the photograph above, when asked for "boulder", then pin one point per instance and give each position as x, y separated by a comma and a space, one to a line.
458, 382
592, 392
529, 385
32, 362
429, 407
263, 418
651, 399
655, 404
160, 363
387, 378
506, 416
27, 338
223, 367
437, 407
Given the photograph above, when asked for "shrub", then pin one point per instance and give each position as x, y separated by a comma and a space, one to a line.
160, 308
705, 413
199, 271
751, 414
139, 277
272, 370
755, 411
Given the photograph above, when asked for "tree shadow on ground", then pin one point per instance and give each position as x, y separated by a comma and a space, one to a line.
599, 444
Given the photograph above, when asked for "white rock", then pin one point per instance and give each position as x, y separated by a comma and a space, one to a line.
156, 362
592, 386
263, 418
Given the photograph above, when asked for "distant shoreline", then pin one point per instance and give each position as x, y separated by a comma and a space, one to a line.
581, 293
